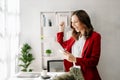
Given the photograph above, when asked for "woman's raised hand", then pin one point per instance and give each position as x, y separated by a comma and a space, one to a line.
61, 26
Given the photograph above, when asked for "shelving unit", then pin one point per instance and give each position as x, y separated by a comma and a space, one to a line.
49, 23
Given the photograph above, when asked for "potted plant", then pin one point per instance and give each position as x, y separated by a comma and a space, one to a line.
48, 52
26, 58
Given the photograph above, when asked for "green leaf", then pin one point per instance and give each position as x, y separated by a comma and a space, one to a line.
24, 70
21, 65
23, 60
28, 64
30, 70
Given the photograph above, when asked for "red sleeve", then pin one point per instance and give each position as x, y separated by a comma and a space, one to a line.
60, 40
93, 59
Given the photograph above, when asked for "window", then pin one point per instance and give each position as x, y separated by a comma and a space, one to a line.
9, 37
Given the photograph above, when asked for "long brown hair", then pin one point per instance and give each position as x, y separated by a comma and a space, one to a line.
85, 19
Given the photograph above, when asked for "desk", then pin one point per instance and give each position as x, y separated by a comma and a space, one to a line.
51, 74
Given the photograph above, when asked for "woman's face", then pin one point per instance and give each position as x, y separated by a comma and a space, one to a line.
76, 24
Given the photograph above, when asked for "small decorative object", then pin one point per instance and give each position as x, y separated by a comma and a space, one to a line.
44, 20
26, 58
48, 52
44, 72
49, 22
42, 37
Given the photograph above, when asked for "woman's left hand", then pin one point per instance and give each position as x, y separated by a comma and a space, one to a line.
70, 57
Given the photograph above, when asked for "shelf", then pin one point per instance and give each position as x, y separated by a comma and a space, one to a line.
49, 23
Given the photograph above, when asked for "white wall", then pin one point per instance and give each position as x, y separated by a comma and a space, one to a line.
104, 15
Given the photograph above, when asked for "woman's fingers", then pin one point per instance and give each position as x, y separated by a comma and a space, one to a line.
62, 24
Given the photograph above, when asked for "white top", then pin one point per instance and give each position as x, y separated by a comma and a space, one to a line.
78, 46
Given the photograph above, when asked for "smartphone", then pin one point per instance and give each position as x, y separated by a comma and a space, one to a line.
61, 51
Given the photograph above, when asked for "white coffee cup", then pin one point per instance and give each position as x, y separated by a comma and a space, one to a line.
44, 72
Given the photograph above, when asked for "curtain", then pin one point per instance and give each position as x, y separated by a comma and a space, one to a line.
9, 37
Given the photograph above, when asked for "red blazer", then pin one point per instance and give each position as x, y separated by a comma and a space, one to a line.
90, 55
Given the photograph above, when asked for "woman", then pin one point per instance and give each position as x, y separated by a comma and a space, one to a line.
83, 48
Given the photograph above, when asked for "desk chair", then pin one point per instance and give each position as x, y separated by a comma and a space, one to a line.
55, 66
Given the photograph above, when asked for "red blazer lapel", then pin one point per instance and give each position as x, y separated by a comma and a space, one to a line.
85, 47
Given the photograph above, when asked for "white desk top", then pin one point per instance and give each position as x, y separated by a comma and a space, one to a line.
34, 76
